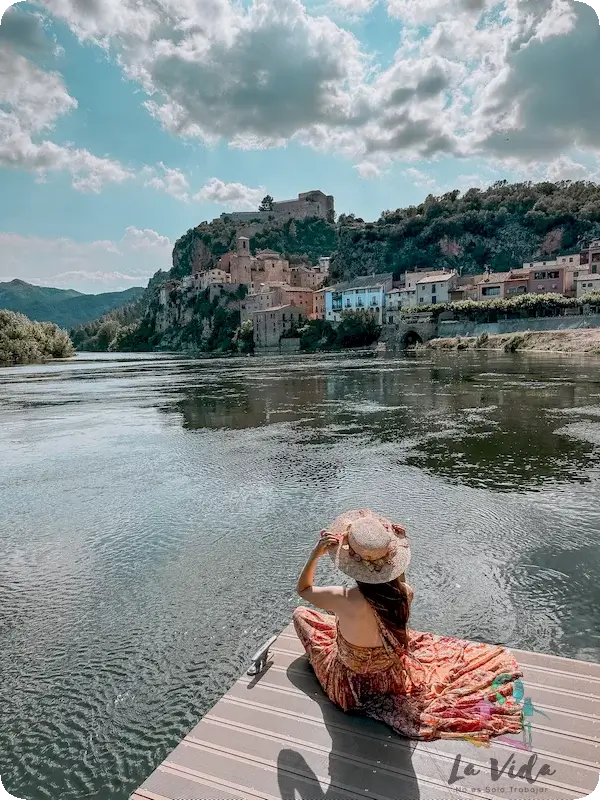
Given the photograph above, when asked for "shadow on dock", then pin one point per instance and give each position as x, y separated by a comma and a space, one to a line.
348, 757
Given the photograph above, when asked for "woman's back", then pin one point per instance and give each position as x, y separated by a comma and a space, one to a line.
358, 622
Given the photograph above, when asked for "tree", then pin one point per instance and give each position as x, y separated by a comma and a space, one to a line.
266, 203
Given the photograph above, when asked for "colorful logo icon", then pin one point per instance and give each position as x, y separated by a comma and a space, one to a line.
485, 709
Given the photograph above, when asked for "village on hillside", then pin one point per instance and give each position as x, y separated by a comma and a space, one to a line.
276, 297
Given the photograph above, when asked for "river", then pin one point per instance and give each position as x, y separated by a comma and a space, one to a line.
155, 513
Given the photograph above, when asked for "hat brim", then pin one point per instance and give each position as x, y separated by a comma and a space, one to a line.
361, 571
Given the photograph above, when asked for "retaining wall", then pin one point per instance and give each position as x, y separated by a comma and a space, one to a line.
452, 329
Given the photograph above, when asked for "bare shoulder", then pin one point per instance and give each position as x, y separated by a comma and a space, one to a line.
356, 600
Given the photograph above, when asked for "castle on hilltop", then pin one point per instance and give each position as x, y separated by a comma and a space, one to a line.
308, 204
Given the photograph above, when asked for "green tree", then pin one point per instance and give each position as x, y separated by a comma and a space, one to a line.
357, 329
266, 203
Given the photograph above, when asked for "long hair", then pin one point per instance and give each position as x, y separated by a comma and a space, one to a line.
390, 603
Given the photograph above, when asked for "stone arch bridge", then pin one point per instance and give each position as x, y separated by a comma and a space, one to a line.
410, 330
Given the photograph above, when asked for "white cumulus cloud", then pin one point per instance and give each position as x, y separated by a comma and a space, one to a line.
31, 101
508, 81
232, 195
97, 266
166, 179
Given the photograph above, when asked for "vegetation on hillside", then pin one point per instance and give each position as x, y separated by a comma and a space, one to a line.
108, 332
502, 227
23, 341
65, 307
356, 329
201, 247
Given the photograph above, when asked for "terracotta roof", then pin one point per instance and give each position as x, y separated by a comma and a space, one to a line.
443, 277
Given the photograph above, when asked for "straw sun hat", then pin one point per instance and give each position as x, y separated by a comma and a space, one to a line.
371, 548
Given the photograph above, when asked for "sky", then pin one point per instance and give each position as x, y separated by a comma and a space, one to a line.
123, 123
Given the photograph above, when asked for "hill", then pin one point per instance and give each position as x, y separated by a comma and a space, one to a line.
23, 341
65, 307
502, 226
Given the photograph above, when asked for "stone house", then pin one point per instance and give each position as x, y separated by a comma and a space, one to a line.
270, 325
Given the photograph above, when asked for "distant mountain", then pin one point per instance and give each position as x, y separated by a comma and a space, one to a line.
65, 307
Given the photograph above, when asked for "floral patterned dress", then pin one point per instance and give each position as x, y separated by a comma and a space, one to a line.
433, 689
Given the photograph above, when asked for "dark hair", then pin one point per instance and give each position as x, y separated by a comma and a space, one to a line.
390, 603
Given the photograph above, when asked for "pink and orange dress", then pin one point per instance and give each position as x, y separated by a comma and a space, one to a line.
433, 688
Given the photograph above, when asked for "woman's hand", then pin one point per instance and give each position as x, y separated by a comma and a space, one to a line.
326, 543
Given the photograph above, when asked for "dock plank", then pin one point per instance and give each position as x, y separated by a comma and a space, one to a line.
278, 737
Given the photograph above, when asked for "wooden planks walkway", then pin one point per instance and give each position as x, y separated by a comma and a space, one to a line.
277, 737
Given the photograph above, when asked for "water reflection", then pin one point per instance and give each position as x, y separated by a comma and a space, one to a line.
156, 514
495, 430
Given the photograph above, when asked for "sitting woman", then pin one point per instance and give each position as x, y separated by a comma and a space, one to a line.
367, 659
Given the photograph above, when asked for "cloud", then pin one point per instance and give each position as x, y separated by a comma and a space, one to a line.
31, 101
542, 102
24, 32
509, 80
423, 12
232, 195
565, 168
165, 179
97, 266
422, 180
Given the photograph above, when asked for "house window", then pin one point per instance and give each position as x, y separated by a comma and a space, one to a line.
359, 302
570, 261
348, 303
553, 275
391, 320
540, 276
373, 301
491, 291
433, 289
594, 269
433, 299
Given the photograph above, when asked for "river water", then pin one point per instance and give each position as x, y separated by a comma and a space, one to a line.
155, 513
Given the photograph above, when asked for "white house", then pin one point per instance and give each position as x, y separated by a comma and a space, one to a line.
586, 284
367, 293
436, 288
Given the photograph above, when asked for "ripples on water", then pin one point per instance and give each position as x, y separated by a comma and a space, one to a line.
155, 514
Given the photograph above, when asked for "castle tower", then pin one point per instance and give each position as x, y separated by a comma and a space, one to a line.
241, 264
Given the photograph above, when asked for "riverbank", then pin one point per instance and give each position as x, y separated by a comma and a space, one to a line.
585, 340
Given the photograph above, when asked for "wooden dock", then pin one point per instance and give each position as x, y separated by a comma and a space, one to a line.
277, 737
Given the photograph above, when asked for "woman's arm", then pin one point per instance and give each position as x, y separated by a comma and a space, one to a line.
329, 598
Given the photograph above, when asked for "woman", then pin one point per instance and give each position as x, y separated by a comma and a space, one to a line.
367, 660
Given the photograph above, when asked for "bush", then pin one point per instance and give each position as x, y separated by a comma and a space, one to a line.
524, 305
25, 342
357, 329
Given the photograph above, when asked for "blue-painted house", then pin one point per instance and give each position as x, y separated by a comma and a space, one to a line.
365, 293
